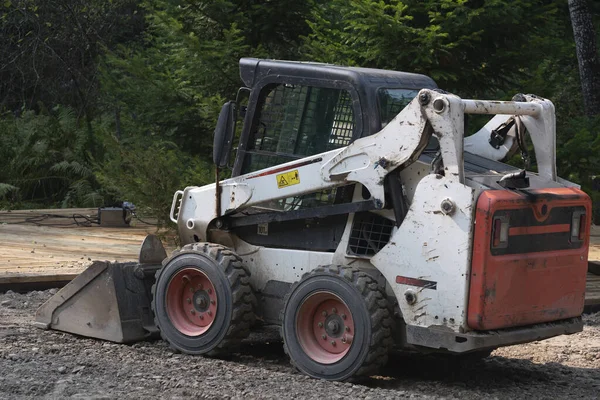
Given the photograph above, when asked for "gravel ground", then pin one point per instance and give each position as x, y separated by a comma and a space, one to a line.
36, 363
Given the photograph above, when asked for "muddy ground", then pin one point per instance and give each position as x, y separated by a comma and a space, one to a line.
45, 364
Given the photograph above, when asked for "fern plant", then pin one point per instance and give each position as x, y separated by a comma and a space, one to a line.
46, 161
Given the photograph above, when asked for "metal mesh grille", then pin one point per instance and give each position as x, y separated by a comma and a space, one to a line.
370, 233
393, 108
280, 119
343, 122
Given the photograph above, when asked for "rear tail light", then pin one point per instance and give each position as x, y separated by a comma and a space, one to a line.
578, 226
500, 233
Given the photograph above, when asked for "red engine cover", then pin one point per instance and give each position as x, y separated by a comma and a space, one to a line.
539, 274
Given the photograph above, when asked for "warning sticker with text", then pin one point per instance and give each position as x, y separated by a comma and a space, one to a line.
288, 179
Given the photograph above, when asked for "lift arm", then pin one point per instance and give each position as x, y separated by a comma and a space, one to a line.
368, 160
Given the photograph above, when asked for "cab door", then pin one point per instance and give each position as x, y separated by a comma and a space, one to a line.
289, 121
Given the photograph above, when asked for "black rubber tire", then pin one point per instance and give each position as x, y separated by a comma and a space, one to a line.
236, 312
372, 322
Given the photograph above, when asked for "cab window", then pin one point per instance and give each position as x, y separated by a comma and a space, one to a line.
297, 121
392, 101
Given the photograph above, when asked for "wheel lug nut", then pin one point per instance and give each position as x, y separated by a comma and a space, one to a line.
191, 290
189, 300
209, 312
324, 337
344, 340
209, 290
324, 313
193, 311
333, 310
201, 316
333, 342
320, 324
199, 286
343, 316
347, 329
213, 302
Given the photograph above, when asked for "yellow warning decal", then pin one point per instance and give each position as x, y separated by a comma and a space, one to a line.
288, 179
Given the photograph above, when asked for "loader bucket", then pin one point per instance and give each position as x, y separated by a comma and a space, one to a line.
110, 301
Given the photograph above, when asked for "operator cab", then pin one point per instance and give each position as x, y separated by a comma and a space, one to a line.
298, 109
295, 110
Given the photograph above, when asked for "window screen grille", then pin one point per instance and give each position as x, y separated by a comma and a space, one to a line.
370, 233
343, 122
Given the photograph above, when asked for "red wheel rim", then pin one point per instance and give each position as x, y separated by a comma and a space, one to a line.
191, 302
324, 327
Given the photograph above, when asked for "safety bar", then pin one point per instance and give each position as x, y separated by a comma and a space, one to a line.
501, 107
174, 204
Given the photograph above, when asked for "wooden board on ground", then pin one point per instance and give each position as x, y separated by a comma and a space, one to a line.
47, 245
592, 292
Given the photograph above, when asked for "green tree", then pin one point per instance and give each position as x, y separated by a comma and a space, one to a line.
173, 85
50, 49
469, 47
102, 100
587, 54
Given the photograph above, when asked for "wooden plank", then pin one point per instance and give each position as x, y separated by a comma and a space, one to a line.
48, 217
55, 217
592, 292
57, 277
56, 249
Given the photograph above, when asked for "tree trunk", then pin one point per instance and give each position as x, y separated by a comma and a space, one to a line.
118, 123
587, 55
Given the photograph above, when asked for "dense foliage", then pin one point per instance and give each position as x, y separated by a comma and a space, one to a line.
101, 101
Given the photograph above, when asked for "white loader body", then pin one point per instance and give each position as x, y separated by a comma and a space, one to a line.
432, 246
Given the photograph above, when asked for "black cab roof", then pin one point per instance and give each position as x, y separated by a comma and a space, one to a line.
253, 70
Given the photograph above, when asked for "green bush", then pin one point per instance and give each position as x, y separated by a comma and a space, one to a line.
46, 161
147, 173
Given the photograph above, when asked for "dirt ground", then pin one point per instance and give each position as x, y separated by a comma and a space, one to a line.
47, 364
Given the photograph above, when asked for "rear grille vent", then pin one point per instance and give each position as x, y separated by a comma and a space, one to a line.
370, 233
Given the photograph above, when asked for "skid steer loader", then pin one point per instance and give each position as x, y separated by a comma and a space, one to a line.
359, 218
